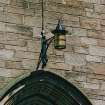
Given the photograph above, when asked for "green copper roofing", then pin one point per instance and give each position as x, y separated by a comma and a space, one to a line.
12, 83
42, 88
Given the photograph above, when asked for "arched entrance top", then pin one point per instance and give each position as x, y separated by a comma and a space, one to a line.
5, 90
42, 87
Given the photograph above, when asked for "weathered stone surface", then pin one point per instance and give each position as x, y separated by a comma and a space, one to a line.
103, 86
2, 63
90, 58
75, 76
22, 54
96, 34
101, 43
29, 64
102, 16
98, 102
36, 32
99, 8
88, 41
5, 1
1, 46
17, 48
79, 32
34, 45
18, 29
10, 72
18, 42
92, 14
104, 60
89, 23
2, 26
6, 54
75, 59
73, 41
59, 53
63, 66
81, 50
77, 4
91, 86
96, 50
97, 68
13, 65
14, 18
15, 9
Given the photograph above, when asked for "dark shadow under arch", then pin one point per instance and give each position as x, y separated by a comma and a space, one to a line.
44, 88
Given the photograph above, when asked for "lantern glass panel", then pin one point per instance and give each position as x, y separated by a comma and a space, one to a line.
60, 41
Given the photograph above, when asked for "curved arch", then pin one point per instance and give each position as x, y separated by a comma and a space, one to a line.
43, 87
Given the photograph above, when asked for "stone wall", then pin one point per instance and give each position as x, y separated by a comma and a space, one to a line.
82, 62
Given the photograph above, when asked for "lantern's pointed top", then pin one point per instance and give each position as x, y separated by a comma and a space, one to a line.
59, 28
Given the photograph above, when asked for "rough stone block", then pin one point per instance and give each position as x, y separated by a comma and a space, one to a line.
79, 32
31, 21
90, 23
5, 1
96, 50
22, 54
36, 32
101, 43
63, 66
15, 9
91, 86
97, 102
102, 16
2, 26
73, 41
99, 8
14, 18
96, 34
10, 72
1, 46
97, 68
103, 86
28, 64
34, 45
59, 53
102, 27
93, 15
19, 42
6, 54
2, 63
13, 65
75, 59
81, 50
17, 48
103, 59
2, 16
30, 11
51, 65
90, 58
21, 29
88, 41
59, 59
102, 22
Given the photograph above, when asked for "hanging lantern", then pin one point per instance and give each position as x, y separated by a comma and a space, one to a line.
60, 36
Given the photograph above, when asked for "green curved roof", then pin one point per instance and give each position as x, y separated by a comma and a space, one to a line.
44, 86
12, 83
